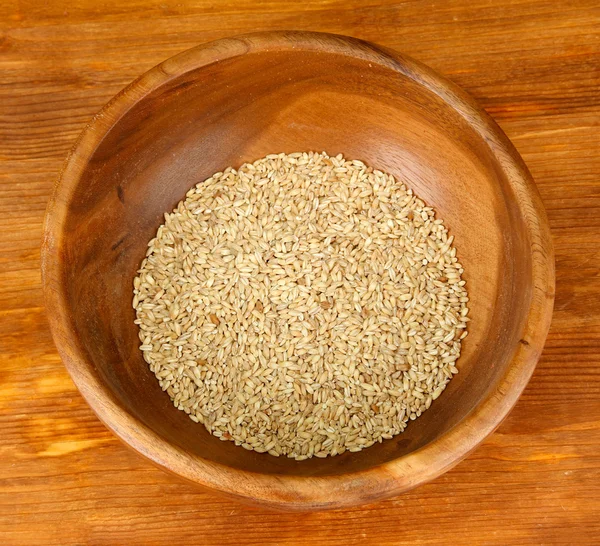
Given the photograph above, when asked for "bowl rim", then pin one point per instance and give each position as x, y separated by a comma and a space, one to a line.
296, 492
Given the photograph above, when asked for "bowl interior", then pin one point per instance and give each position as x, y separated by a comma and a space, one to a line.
240, 109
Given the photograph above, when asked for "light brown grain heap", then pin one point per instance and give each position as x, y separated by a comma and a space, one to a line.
303, 305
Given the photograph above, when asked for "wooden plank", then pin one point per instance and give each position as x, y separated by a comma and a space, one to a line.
532, 64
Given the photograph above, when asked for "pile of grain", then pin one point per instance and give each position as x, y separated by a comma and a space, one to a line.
303, 305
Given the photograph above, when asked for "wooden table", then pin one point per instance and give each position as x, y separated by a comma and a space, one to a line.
534, 65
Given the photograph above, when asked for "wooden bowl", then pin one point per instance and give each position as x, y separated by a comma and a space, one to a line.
236, 100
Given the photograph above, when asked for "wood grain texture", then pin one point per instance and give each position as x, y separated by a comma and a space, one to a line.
532, 65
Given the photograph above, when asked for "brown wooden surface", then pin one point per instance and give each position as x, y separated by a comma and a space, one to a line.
237, 99
533, 65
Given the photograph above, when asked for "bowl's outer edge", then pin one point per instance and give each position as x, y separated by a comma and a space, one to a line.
288, 492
